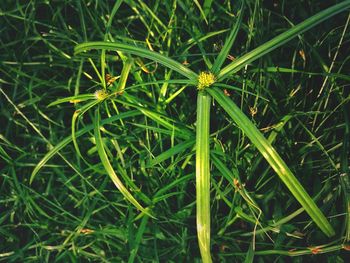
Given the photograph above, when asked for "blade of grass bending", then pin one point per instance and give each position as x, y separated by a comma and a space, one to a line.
219, 61
273, 158
108, 167
63, 143
281, 39
203, 175
142, 52
201, 10
77, 114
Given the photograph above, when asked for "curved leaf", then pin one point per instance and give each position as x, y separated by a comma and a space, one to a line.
273, 158
142, 52
108, 167
63, 143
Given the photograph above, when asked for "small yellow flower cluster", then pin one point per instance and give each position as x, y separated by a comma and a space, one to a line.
101, 94
205, 79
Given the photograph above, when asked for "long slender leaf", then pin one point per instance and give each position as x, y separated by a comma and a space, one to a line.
273, 158
111, 16
154, 56
138, 239
63, 143
203, 175
108, 167
345, 171
224, 52
207, 6
171, 152
281, 39
181, 130
124, 75
75, 117
73, 99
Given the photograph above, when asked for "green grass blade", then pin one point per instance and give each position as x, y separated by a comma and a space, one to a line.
230, 87
219, 61
138, 239
76, 115
163, 120
281, 39
207, 7
201, 10
4, 155
225, 172
73, 99
124, 75
345, 171
63, 143
171, 185
142, 52
108, 167
249, 258
273, 158
113, 12
171, 152
203, 175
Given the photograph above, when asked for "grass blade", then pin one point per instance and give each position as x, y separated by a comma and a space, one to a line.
171, 152
281, 39
111, 16
73, 99
219, 61
201, 10
163, 120
138, 239
63, 143
77, 114
142, 52
207, 6
273, 158
203, 175
124, 75
108, 167
249, 258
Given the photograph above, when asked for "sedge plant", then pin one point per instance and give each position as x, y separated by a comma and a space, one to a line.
209, 86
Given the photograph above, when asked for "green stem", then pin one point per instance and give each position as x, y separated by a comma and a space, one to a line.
203, 175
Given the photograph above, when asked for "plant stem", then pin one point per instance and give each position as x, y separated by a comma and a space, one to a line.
203, 175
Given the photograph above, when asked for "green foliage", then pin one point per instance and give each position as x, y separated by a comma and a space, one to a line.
174, 131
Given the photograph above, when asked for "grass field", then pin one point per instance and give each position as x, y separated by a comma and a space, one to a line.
174, 131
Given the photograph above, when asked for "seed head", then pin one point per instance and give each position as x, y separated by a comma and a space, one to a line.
205, 80
101, 94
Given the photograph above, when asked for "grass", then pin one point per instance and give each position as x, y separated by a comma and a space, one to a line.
94, 93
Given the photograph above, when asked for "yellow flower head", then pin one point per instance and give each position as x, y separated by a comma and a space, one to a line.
101, 94
205, 79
